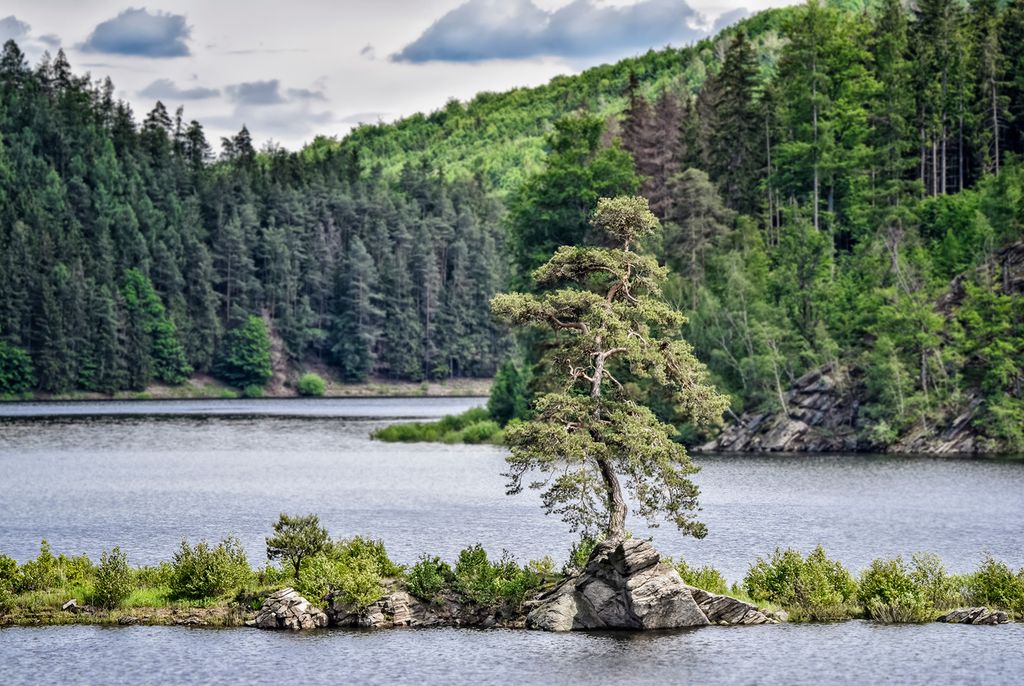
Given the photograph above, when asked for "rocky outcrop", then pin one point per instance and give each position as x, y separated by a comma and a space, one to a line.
286, 609
823, 415
402, 609
624, 585
721, 609
821, 411
975, 615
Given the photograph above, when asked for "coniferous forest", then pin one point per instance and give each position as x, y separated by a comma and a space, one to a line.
838, 184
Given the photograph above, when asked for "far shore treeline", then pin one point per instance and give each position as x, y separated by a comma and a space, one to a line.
839, 183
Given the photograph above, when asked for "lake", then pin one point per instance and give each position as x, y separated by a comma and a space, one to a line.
98, 475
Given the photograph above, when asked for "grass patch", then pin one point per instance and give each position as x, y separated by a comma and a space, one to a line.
473, 426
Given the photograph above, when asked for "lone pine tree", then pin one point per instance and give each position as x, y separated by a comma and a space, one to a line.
610, 326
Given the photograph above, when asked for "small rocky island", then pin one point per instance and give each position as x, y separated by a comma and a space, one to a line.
625, 585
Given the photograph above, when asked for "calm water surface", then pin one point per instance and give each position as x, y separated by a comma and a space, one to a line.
88, 483
848, 653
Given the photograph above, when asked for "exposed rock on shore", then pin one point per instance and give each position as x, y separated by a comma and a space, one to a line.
286, 609
822, 410
721, 609
625, 585
975, 615
402, 609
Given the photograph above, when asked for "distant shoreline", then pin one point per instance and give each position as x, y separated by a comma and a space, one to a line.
207, 388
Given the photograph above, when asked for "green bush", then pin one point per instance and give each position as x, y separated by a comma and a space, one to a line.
707, 578
429, 577
6, 599
995, 585
16, 375
354, 570
448, 429
8, 571
489, 584
889, 594
48, 572
481, 432
157, 576
252, 391
204, 572
940, 590
245, 355
817, 588
113, 582
311, 384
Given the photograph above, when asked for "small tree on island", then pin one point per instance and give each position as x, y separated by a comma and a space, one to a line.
296, 538
612, 325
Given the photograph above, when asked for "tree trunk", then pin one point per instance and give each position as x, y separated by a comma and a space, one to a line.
616, 504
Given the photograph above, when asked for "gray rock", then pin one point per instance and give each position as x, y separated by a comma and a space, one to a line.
722, 609
397, 609
286, 609
975, 615
623, 586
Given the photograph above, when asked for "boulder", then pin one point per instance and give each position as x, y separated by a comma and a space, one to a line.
286, 609
624, 585
721, 609
975, 615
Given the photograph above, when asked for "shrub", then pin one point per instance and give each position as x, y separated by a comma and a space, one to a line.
204, 572
154, 577
447, 429
16, 375
708, 578
359, 583
940, 590
481, 432
48, 571
6, 599
245, 354
8, 571
113, 580
816, 589
354, 570
889, 594
252, 391
995, 585
311, 384
490, 584
429, 577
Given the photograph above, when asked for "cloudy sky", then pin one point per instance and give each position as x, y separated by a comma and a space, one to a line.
292, 70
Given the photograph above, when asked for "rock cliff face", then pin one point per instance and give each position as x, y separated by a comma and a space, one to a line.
823, 407
625, 585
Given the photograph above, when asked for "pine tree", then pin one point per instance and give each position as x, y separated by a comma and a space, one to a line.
358, 319
609, 323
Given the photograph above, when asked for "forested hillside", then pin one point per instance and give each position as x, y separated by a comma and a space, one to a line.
127, 253
836, 182
849, 205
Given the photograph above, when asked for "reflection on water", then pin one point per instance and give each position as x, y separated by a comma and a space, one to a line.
88, 484
847, 653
